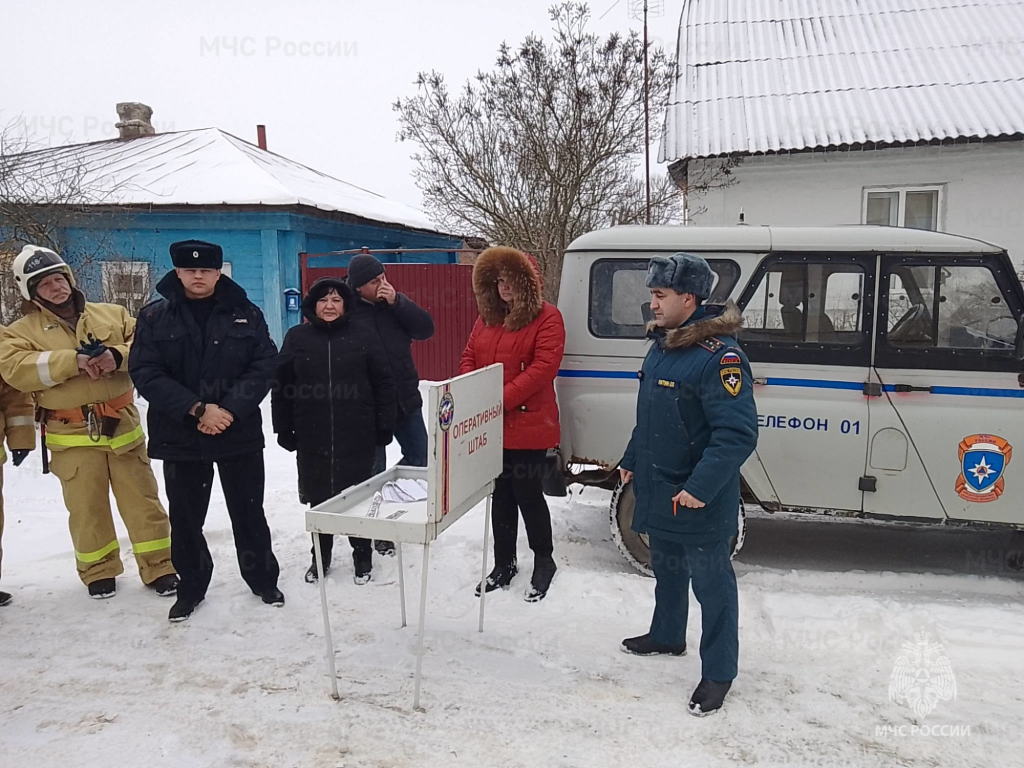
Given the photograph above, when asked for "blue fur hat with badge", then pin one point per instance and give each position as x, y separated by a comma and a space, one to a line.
682, 273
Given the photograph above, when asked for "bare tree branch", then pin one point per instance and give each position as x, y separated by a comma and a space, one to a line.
546, 146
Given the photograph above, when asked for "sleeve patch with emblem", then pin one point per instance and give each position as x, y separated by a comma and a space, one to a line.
730, 358
732, 379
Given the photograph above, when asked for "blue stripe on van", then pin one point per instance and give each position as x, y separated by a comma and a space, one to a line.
856, 386
816, 384
974, 391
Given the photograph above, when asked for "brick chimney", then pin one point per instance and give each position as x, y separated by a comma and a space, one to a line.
135, 120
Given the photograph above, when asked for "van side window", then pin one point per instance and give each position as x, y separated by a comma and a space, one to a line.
808, 309
620, 303
947, 313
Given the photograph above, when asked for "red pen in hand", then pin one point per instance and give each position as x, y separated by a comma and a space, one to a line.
674, 506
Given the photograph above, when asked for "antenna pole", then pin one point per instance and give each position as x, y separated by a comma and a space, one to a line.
647, 120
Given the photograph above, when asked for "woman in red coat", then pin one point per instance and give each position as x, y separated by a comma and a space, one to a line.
520, 330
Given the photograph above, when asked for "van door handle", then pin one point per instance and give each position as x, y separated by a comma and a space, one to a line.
910, 388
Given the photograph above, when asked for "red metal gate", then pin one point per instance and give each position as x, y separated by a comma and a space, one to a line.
445, 291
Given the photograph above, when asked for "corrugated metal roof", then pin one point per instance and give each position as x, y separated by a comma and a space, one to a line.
758, 76
207, 167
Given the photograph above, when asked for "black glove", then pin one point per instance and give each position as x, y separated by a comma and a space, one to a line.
383, 437
287, 441
94, 347
18, 455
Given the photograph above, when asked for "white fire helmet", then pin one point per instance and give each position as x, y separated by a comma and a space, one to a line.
34, 263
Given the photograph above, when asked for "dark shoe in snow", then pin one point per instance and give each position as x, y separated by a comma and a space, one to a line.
708, 697
385, 548
543, 572
101, 589
646, 646
363, 564
272, 596
182, 609
165, 585
5, 598
312, 575
1014, 561
500, 578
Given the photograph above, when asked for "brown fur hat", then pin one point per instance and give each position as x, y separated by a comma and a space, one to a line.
522, 272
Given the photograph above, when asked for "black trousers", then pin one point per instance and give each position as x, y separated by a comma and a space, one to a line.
316, 487
242, 479
519, 489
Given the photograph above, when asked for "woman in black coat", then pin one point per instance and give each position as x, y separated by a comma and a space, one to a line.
334, 403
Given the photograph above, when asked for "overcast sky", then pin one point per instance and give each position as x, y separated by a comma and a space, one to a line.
320, 74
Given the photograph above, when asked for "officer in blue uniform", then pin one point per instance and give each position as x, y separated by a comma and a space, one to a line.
696, 424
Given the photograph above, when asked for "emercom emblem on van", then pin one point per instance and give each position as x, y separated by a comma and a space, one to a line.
983, 459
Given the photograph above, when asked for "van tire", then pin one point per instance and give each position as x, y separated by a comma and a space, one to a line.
633, 546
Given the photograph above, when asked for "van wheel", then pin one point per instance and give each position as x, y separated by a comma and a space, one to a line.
632, 545
736, 542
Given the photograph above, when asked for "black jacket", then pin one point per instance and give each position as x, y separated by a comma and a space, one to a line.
173, 367
334, 399
397, 327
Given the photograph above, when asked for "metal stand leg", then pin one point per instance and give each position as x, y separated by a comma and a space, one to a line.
483, 571
423, 617
327, 621
401, 578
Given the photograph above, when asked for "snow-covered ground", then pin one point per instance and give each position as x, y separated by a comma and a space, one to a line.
825, 612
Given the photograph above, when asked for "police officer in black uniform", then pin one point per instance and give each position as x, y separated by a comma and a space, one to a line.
204, 360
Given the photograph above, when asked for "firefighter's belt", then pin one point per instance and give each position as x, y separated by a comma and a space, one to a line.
100, 411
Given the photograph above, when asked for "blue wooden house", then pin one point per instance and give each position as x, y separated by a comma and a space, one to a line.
147, 192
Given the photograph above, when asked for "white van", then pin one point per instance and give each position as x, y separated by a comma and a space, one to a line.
886, 361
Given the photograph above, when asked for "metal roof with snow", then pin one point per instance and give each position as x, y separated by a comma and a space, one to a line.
208, 167
763, 76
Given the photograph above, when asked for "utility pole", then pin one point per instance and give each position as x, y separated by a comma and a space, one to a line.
645, 7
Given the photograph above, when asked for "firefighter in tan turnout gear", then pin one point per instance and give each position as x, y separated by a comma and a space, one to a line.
17, 425
72, 355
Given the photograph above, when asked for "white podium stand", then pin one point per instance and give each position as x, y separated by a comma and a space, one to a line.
464, 455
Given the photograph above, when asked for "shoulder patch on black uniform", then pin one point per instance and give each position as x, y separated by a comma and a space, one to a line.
711, 345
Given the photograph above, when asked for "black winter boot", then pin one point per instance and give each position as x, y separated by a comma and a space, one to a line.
708, 697
385, 548
645, 646
500, 577
312, 576
363, 564
544, 569
166, 585
5, 598
272, 596
182, 609
101, 589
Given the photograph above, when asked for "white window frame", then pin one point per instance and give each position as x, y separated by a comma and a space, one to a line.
226, 269
111, 268
901, 207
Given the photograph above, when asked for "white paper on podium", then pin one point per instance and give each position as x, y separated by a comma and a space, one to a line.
405, 489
